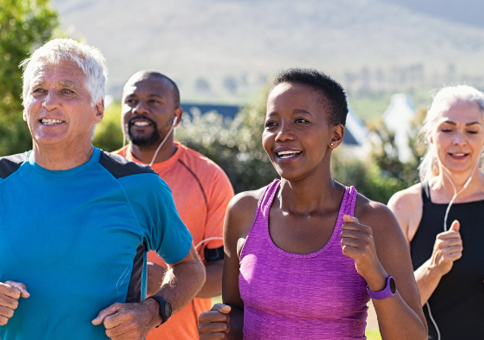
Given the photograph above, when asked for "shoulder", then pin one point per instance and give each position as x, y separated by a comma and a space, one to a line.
241, 211
370, 212
120, 167
406, 199
10, 164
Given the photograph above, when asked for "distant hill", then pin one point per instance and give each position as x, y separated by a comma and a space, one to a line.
224, 50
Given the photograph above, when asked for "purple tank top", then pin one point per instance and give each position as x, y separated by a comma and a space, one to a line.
300, 296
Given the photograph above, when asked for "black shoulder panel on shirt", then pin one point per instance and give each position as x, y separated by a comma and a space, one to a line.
119, 166
10, 164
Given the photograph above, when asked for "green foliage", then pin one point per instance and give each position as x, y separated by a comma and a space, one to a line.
24, 25
234, 145
364, 175
108, 135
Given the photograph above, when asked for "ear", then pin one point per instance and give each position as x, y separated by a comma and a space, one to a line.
178, 116
430, 138
99, 108
337, 136
24, 115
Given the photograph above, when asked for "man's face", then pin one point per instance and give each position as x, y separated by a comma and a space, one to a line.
148, 110
58, 106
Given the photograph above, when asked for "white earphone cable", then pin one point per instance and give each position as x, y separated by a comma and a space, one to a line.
466, 184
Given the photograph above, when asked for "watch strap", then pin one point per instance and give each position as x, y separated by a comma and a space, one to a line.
162, 309
386, 292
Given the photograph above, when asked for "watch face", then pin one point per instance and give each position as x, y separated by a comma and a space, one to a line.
393, 287
168, 310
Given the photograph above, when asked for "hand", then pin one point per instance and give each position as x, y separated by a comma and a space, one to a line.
357, 243
129, 321
214, 324
447, 249
155, 277
10, 293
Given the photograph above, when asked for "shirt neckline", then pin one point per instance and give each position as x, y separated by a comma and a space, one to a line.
65, 173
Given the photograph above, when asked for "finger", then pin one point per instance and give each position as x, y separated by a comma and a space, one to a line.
213, 336
6, 312
222, 308
213, 316
451, 234
348, 218
8, 302
455, 226
105, 313
214, 327
18, 290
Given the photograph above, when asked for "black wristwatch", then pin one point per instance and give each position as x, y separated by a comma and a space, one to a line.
165, 308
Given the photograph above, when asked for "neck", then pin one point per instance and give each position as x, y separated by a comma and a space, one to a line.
309, 195
60, 157
445, 180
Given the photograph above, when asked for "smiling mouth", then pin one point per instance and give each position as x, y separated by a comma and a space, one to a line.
287, 154
50, 122
141, 123
458, 154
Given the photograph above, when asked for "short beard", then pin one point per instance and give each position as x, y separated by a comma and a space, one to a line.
147, 142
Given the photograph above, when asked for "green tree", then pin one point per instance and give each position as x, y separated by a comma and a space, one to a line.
24, 26
108, 134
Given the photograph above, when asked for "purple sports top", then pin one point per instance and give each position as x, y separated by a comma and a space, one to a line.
300, 296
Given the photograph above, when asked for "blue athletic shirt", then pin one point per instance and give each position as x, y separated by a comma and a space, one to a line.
77, 239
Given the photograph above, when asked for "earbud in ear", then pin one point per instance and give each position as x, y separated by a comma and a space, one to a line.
175, 121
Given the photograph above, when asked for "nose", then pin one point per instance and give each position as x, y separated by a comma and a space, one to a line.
140, 108
285, 132
459, 139
50, 101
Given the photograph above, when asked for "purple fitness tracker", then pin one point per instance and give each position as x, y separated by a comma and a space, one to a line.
389, 290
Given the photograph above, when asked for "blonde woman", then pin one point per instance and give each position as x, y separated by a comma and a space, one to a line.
443, 216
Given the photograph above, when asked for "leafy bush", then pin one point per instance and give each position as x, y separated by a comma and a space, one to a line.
24, 25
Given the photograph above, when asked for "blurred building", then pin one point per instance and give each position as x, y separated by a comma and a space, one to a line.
397, 118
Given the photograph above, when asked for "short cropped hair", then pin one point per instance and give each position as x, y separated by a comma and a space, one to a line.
55, 52
156, 74
329, 89
442, 100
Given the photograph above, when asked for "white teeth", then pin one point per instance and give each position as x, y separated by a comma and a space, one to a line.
51, 121
141, 123
287, 154
458, 154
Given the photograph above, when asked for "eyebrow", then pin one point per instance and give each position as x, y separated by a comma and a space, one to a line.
301, 111
467, 124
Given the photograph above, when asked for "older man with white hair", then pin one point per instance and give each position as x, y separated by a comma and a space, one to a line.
76, 222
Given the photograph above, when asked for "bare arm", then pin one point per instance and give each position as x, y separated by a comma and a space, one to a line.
213, 283
379, 248
134, 320
227, 319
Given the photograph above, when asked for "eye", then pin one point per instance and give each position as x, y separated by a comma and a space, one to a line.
446, 130
39, 90
67, 91
473, 132
270, 124
301, 120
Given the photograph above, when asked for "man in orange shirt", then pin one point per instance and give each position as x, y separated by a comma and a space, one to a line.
201, 190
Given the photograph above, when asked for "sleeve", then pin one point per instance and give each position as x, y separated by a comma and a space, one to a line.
221, 192
153, 205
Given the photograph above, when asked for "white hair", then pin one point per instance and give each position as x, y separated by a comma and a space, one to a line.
445, 97
55, 52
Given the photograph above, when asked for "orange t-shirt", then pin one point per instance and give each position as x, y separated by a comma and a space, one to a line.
201, 191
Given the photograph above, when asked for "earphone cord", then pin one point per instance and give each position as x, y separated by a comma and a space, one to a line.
159, 146
466, 184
